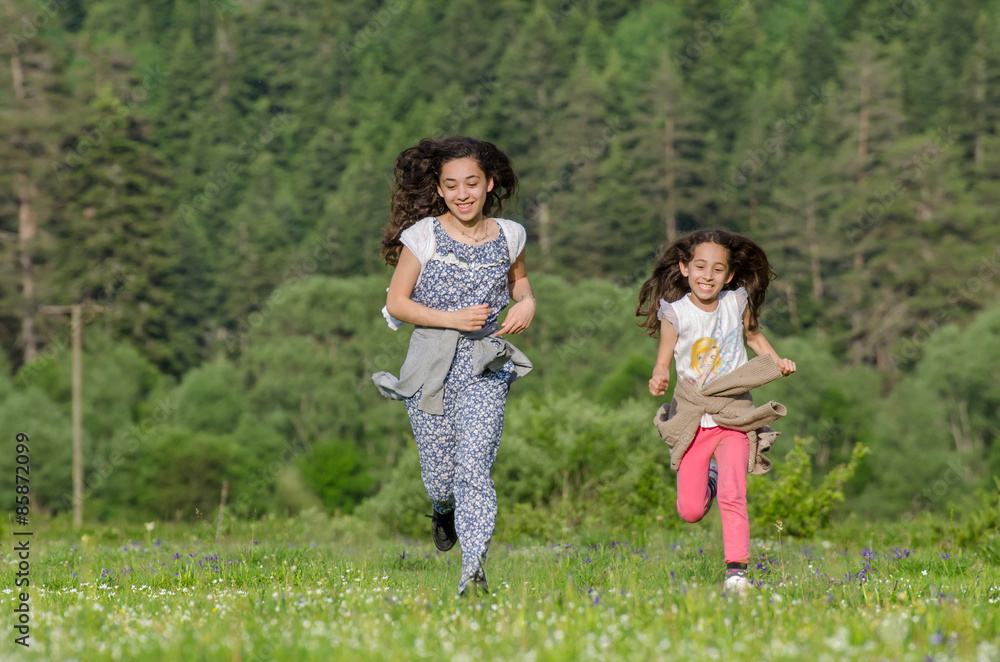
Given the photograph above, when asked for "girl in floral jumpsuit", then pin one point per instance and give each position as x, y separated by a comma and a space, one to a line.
456, 268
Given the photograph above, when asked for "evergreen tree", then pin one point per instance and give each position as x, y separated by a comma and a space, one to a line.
980, 95
815, 53
185, 94
573, 164
627, 124
36, 104
523, 107
112, 243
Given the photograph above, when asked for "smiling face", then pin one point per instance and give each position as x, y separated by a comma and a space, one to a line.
706, 360
464, 186
707, 273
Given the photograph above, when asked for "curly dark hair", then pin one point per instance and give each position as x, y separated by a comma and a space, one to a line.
747, 261
415, 182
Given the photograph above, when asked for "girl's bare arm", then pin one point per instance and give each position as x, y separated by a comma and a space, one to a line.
664, 357
402, 307
521, 313
759, 344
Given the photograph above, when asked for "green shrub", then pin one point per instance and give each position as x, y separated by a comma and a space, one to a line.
400, 506
211, 398
564, 463
50, 452
335, 471
523, 521
791, 495
650, 494
629, 380
176, 473
982, 527
293, 494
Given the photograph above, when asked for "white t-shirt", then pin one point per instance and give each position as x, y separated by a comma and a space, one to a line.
708, 344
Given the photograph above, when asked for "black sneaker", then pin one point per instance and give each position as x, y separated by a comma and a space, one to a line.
443, 530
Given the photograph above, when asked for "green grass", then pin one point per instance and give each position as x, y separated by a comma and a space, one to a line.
314, 589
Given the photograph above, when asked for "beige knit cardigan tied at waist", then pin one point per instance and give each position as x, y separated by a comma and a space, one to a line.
729, 402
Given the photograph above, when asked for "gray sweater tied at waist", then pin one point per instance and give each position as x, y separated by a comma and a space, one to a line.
429, 359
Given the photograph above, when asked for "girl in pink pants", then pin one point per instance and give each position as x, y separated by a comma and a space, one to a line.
703, 300
695, 489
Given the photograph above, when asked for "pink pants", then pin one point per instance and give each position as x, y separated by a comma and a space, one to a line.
732, 453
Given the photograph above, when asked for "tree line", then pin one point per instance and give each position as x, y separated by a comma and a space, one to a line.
191, 165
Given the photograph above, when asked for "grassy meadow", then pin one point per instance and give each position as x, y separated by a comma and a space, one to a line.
312, 588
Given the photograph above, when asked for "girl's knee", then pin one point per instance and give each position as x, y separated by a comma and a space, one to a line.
439, 494
475, 482
691, 512
439, 488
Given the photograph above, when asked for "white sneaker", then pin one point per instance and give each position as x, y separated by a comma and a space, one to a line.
737, 582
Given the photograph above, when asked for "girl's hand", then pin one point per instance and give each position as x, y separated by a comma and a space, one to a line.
472, 318
786, 366
518, 317
659, 383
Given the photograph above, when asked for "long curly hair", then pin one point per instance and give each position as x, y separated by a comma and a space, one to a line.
415, 181
747, 261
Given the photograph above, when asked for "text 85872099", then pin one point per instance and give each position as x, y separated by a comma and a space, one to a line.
22, 546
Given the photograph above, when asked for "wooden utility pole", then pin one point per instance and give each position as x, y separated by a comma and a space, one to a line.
76, 326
